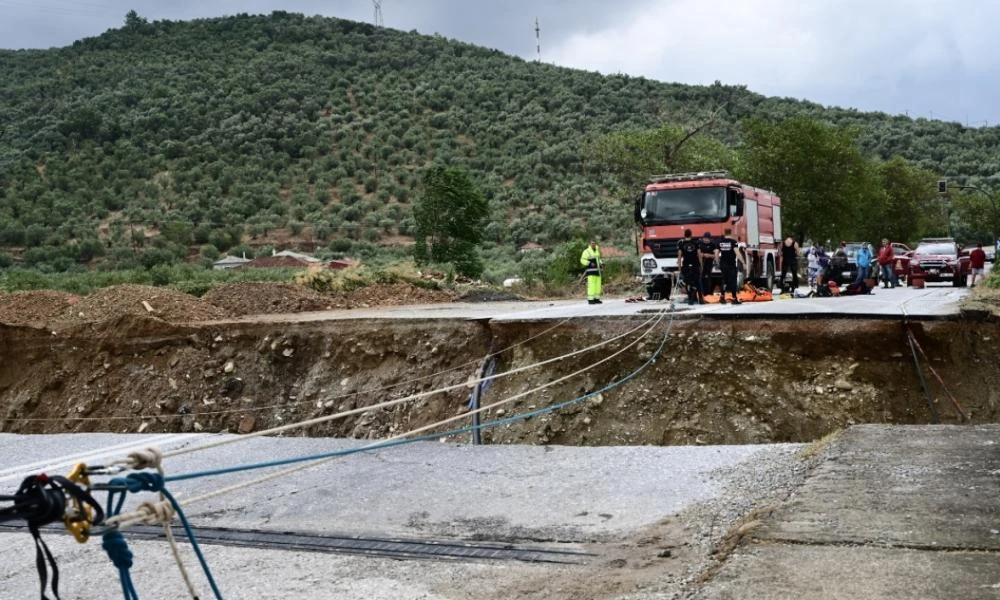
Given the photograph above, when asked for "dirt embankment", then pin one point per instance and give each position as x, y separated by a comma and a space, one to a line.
709, 382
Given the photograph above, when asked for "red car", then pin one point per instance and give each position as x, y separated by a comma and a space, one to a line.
939, 259
901, 262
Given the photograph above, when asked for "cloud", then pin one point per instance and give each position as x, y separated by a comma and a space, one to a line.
928, 57
864, 49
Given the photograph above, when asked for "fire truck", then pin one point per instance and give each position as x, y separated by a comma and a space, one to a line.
705, 202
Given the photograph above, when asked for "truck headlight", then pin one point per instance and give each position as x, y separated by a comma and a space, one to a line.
649, 264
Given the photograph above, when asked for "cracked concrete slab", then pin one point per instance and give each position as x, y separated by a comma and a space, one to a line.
892, 512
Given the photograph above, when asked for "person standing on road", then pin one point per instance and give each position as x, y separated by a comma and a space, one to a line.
591, 261
886, 257
730, 259
812, 264
864, 260
708, 251
977, 260
790, 261
687, 258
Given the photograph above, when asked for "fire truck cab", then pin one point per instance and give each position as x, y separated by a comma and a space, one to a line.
712, 202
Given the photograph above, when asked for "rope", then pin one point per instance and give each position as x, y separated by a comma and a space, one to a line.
117, 549
958, 407
147, 512
388, 403
163, 511
317, 459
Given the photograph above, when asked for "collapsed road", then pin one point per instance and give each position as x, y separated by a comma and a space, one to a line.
729, 400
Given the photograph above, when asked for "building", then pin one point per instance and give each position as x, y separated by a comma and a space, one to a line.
229, 262
531, 247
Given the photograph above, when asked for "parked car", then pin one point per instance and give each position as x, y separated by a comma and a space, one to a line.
939, 259
901, 262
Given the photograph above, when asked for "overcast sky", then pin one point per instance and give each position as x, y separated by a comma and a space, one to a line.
924, 58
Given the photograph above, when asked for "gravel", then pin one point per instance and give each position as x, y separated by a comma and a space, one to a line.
600, 499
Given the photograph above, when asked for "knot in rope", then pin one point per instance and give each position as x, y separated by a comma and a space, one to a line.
139, 482
155, 512
146, 481
117, 548
150, 458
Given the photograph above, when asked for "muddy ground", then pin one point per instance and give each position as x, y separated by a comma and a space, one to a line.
132, 358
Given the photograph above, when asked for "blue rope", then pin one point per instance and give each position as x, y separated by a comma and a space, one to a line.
114, 543
117, 548
432, 436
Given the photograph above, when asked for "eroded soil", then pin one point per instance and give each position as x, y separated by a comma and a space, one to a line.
108, 363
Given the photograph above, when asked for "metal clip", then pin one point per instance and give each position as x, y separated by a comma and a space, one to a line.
79, 517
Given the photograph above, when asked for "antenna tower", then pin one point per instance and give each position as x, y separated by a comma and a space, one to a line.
538, 41
378, 13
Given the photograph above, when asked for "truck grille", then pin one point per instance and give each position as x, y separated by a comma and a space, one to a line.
663, 248
933, 264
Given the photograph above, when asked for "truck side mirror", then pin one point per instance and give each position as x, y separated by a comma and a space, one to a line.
639, 212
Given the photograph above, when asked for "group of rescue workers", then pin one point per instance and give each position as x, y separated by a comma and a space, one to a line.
697, 258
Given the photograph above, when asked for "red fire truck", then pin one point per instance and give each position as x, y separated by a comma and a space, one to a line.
706, 202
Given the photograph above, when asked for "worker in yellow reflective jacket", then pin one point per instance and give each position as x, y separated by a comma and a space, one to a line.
592, 264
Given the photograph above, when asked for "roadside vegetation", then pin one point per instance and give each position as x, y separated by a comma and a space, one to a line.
146, 153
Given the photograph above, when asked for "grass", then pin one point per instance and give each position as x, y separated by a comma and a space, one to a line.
186, 278
985, 297
813, 449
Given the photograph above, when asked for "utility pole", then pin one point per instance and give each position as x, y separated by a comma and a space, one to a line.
378, 13
942, 186
538, 41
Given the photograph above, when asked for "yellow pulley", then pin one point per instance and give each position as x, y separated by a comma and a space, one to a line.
79, 517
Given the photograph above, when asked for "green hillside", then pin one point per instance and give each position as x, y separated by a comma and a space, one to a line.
150, 142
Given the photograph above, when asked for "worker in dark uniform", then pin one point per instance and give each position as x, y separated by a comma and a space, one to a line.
690, 265
730, 260
708, 251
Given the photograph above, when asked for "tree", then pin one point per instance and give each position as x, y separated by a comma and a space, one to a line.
818, 170
910, 202
449, 217
976, 215
632, 157
133, 22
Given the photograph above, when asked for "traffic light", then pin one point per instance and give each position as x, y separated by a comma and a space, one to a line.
942, 186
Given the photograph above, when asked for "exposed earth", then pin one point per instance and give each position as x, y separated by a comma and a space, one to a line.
136, 358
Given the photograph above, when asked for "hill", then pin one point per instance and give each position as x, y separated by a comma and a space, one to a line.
247, 132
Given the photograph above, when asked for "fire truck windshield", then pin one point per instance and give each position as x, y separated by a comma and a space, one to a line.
690, 205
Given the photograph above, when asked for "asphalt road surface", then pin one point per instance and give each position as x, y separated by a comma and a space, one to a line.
933, 301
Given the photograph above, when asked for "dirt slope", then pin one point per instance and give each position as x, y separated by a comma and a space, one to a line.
710, 382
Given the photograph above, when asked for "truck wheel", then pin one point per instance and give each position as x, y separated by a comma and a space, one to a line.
769, 281
659, 288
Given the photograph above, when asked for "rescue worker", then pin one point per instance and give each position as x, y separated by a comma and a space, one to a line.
591, 261
790, 262
730, 259
690, 265
708, 251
